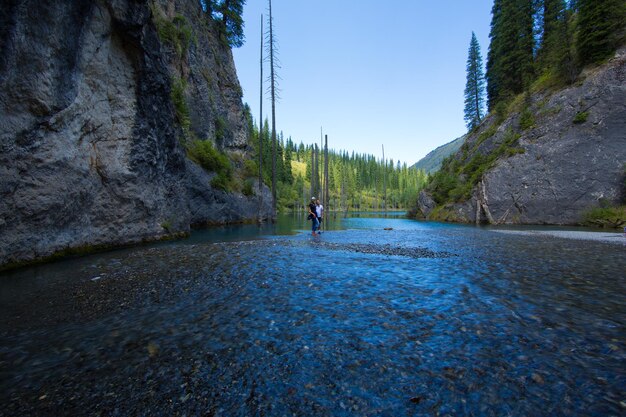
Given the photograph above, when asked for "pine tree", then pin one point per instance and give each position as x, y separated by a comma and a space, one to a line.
510, 61
599, 26
524, 16
288, 174
207, 6
556, 53
493, 55
475, 86
552, 13
280, 161
232, 21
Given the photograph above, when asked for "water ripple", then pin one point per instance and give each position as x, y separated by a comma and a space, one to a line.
424, 321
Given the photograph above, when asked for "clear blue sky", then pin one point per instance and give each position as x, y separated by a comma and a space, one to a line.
368, 72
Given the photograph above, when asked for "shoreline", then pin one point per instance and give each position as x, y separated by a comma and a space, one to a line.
607, 237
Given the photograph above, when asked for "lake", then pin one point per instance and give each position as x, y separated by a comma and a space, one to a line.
422, 319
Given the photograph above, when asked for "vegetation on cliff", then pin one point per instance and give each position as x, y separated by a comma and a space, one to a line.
229, 15
548, 40
536, 48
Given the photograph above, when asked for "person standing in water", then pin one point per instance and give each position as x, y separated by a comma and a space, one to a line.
319, 210
313, 215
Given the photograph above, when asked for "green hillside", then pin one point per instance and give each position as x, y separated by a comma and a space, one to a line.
432, 162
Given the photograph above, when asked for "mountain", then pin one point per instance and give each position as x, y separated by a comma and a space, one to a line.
553, 156
432, 161
99, 104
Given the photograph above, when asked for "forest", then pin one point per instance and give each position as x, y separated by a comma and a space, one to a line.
354, 181
535, 45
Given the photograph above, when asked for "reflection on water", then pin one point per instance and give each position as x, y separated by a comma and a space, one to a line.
289, 224
419, 319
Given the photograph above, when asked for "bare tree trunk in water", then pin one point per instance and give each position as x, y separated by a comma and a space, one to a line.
273, 90
261, 115
261, 129
384, 181
326, 196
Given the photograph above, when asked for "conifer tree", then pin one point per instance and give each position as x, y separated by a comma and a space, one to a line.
280, 161
510, 61
555, 53
599, 25
209, 6
288, 174
231, 16
492, 74
475, 86
552, 14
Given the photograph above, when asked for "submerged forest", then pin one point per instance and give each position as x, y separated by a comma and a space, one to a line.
155, 258
536, 48
345, 181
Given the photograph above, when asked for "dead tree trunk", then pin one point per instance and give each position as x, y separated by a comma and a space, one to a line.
261, 115
273, 92
481, 205
326, 196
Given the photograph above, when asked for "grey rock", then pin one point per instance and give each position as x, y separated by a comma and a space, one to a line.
566, 168
90, 151
425, 203
210, 206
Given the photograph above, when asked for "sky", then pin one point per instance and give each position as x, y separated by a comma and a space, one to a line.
367, 73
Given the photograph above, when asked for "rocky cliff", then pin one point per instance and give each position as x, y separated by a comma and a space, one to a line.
554, 156
91, 136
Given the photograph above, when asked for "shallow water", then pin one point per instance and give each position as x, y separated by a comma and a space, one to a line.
424, 319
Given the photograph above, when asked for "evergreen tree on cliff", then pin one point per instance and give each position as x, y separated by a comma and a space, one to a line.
553, 28
599, 25
474, 86
556, 52
231, 17
493, 70
510, 61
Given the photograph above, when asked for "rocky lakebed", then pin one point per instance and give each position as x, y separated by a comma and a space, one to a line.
427, 320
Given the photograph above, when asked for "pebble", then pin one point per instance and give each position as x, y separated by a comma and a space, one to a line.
373, 342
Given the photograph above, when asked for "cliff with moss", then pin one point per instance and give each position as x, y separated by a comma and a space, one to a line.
550, 157
121, 122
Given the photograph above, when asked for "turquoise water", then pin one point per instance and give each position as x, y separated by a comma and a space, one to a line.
422, 319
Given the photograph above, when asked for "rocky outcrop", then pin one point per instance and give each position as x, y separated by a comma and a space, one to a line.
90, 144
205, 64
567, 156
425, 204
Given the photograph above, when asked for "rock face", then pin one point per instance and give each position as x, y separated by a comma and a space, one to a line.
572, 158
90, 147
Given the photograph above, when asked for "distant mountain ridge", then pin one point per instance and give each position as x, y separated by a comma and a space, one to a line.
432, 162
